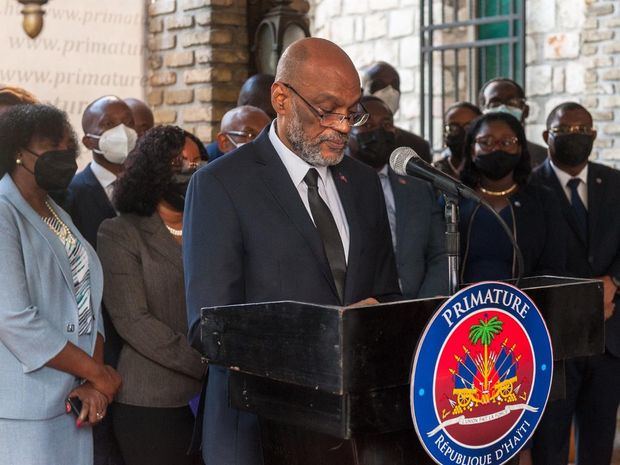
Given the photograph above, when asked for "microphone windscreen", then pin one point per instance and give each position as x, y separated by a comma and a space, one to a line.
399, 159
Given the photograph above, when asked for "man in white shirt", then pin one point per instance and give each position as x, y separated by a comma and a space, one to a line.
589, 194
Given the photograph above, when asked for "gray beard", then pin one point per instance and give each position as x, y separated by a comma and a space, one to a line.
308, 151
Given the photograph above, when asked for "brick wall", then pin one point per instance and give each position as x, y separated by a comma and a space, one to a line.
197, 61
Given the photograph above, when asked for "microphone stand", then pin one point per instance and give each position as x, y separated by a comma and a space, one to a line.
451, 215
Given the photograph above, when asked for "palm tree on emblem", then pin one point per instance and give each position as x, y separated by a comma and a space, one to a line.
484, 332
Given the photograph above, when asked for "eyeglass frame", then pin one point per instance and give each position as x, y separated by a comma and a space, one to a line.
447, 131
571, 130
321, 115
515, 142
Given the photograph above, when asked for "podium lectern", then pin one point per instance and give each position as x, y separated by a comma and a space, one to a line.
317, 375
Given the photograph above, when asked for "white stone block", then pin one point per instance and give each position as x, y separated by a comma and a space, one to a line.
387, 50
361, 54
382, 4
540, 15
538, 79
359, 28
559, 77
570, 14
531, 50
401, 22
561, 46
354, 7
410, 51
375, 26
342, 30
575, 77
407, 79
534, 133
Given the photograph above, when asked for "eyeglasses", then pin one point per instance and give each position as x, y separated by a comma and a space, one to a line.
454, 128
334, 119
490, 142
181, 164
238, 138
577, 129
513, 102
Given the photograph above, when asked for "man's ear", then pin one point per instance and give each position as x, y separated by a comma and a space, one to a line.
545, 135
223, 143
279, 96
526, 113
90, 143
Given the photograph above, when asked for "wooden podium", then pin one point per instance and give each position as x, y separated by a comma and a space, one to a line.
330, 384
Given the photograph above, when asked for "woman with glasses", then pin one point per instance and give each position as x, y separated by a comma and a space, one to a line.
497, 166
140, 251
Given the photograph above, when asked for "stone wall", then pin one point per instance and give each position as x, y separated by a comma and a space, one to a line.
198, 59
572, 48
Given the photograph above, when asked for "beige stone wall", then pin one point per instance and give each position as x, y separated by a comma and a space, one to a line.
198, 60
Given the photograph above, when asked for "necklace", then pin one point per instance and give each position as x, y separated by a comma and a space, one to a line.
510, 190
59, 227
174, 232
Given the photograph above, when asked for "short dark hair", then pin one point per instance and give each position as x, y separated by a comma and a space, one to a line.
562, 107
204, 155
470, 174
20, 124
148, 170
469, 106
512, 82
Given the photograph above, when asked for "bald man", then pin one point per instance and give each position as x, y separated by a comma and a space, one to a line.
287, 218
109, 134
383, 81
240, 126
142, 115
256, 91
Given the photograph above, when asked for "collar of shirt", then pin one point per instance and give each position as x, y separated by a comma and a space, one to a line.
384, 171
296, 167
103, 175
564, 177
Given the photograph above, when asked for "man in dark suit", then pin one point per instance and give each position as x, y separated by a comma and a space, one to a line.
383, 81
108, 127
416, 219
505, 95
240, 126
286, 217
590, 195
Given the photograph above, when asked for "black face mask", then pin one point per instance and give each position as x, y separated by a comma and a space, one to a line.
375, 147
497, 164
175, 195
54, 169
572, 149
456, 142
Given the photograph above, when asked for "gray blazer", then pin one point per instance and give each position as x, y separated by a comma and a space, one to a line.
38, 310
145, 297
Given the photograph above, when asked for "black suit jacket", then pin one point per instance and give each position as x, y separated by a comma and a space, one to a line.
417, 143
538, 154
249, 238
88, 204
420, 238
599, 255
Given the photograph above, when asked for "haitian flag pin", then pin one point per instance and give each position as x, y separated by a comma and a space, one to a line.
481, 376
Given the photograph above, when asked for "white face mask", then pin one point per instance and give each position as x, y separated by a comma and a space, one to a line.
390, 96
116, 143
514, 111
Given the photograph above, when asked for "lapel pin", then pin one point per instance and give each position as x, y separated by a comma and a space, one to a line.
343, 178
517, 203
599, 181
402, 181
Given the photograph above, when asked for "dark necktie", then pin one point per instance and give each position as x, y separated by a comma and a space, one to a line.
324, 221
581, 213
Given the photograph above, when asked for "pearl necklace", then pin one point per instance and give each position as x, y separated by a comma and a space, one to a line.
174, 232
510, 190
58, 227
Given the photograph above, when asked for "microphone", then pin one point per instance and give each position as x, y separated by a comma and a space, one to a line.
406, 162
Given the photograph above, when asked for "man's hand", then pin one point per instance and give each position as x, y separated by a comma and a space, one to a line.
609, 293
362, 303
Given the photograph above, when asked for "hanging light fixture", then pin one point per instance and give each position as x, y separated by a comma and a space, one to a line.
33, 16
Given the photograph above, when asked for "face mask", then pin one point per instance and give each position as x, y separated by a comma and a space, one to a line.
116, 143
497, 164
175, 195
375, 147
514, 111
54, 170
390, 96
456, 142
572, 149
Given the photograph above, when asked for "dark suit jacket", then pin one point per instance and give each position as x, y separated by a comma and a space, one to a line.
417, 143
249, 238
213, 151
88, 205
600, 254
538, 154
145, 296
420, 244
540, 230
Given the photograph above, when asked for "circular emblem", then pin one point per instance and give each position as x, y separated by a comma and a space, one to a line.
481, 376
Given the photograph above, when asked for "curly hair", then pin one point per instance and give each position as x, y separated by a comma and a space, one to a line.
20, 124
148, 170
470, 175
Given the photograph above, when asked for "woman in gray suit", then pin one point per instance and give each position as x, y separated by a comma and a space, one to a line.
51, 333
140, 251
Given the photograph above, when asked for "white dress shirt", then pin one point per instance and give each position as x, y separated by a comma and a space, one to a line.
564, 177
297, 170
105, 177
390, 203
